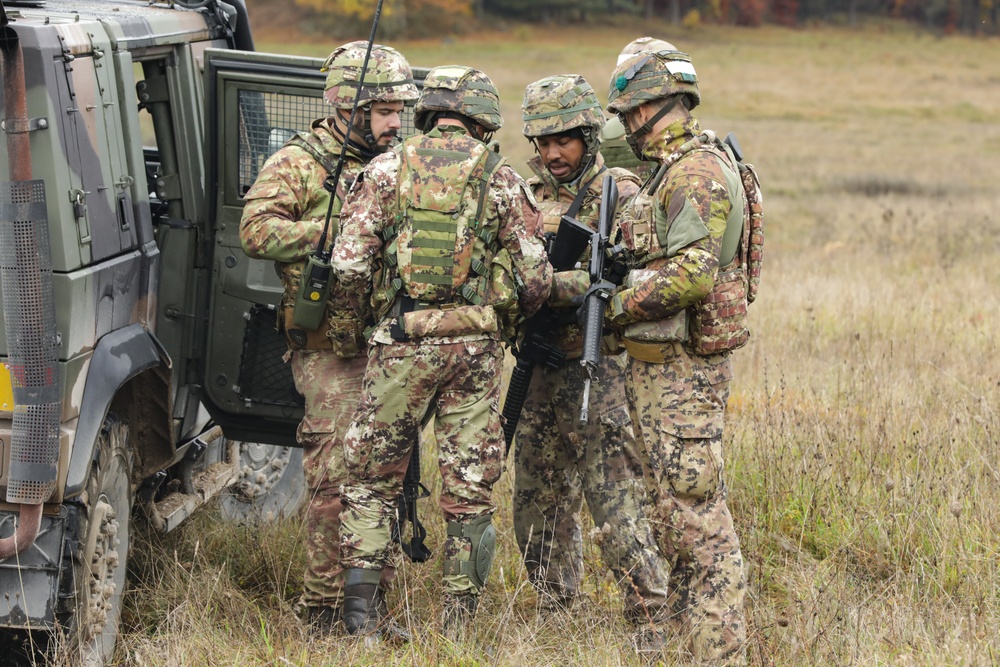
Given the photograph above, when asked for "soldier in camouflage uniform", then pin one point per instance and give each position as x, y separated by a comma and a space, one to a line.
428, 228
614, 148
558, 462
680, 230
284, 214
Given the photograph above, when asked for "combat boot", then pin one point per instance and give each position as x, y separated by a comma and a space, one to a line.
459, 611
323, 620
653, 633
363, 602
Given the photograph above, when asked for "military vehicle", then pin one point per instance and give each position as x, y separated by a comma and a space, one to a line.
141, 369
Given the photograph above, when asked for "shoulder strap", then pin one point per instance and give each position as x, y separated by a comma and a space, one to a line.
574, 208
310, 144
492, 163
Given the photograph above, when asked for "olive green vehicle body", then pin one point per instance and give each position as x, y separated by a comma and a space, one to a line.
146, 124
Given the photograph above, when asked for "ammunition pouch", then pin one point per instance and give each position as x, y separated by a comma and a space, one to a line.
719, 321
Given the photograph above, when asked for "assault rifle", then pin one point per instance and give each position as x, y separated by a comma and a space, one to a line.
564, 248
595, 301
406, 510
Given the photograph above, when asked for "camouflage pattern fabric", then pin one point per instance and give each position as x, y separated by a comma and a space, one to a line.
282, 221
332, 388
558, 462
285, 212
644, 44
678, 410
462, 90
454, 378
371, 208
692, 206
388, 77
559, 103
405, 384
678, 407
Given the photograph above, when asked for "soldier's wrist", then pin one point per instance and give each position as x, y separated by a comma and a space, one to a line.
616, 310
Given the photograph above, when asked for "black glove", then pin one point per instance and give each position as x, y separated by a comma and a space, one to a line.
616, 268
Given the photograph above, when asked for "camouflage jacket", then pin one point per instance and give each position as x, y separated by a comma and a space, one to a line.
371, 208
286, 209
554, 199
693, 199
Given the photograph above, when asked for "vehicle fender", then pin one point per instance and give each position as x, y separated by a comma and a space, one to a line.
118, 357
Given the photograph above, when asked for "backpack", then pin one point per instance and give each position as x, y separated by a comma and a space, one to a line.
441, 245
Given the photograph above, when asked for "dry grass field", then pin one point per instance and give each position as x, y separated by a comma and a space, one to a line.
862, 432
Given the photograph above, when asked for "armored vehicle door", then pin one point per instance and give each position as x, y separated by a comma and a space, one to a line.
255, 102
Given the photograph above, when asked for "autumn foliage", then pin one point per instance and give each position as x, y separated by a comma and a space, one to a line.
411, 17
434, 18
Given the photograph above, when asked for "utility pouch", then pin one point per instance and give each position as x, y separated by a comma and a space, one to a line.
673, 329
299, 338
457, 321
346, 336
637, 225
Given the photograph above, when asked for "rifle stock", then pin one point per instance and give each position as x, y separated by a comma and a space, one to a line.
406, 510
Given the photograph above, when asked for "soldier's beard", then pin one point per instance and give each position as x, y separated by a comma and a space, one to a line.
385, 141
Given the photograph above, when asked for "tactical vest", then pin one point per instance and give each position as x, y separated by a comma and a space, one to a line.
439, 253
717, 323
343, 333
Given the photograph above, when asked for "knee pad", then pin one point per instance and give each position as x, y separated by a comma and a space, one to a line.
482, 537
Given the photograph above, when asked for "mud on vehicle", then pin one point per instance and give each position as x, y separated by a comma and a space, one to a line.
141, 370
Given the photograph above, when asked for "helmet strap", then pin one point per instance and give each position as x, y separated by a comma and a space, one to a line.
367, 150
632, 137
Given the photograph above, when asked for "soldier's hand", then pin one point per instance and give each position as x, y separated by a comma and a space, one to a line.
616, 268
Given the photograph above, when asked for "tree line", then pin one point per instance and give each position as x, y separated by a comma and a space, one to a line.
430, 17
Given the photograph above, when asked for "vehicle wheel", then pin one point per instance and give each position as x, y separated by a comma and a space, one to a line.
270, 485
104, 547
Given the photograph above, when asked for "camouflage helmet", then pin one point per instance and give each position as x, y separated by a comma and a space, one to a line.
644, 44
648, 76
387, 79
462, 90
559, 103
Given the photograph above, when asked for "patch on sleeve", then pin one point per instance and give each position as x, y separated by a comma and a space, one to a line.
685, 228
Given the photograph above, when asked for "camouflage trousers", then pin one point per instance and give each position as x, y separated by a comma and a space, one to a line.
678, 409
558, 462
331, 386
458, 384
